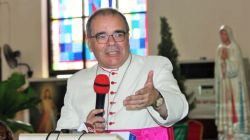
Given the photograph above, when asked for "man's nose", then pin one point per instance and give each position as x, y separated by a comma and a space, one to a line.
111, 39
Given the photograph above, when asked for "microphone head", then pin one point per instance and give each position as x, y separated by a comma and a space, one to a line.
101, 84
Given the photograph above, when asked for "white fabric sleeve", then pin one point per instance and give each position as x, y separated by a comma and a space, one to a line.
82, 127
68, 118
176, 103
177, 109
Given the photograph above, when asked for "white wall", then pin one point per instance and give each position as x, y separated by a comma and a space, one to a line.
194, 24
22, 20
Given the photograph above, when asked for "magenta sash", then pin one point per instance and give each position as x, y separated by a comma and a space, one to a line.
153, 133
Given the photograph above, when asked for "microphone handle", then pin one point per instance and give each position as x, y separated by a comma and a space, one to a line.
100, 100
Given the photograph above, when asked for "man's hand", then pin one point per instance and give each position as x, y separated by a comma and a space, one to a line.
97, 122
143, 97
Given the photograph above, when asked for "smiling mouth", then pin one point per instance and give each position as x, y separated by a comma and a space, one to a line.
112, 52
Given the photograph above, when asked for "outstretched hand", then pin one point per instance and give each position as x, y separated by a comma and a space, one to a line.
143, 97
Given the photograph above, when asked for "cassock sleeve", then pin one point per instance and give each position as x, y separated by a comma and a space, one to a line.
166, 84
69, 118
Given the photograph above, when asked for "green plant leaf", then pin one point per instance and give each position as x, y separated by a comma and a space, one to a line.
22, 101
16, 80
2, 98
13, 99
19, 125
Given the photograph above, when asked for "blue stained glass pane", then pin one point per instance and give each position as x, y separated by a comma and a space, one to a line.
134, 43
77, 47
138, 38
136, 24
64, 57
77, 56
128, 6
71, 56
92, 56
63, 48
67, 41
133, 51
89, 55
93, 5
67, 29
68, 47
66, 8
142, 43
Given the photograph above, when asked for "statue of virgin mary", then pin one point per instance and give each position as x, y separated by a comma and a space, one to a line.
232, 96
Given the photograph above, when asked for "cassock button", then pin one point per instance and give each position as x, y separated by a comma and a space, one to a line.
111, 123
112, 92
113, 82
111, 113
112, 102
113, 73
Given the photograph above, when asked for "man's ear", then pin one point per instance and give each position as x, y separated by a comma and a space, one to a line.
89, 42
128, 35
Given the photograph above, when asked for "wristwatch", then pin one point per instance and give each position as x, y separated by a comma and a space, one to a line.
159, 101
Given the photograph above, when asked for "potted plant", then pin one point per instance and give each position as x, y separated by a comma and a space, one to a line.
14, 97
167, 49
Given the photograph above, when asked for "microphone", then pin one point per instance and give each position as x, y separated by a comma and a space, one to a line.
101, 87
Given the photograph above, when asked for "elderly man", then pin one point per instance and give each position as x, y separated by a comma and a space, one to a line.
143, 98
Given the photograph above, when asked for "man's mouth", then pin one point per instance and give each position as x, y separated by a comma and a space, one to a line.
112, 52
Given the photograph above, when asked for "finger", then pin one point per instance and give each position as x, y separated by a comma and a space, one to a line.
91, 118
135, 97
97, 111
100, 130
141, 92
99, 119
99, 125
149, 81
135, 107
95, 120
134, 102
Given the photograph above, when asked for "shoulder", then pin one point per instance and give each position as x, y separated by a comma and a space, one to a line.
83, 74
152, 59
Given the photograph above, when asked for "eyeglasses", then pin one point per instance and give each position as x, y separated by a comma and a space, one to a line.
103, 37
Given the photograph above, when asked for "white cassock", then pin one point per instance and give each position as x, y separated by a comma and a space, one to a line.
80, 97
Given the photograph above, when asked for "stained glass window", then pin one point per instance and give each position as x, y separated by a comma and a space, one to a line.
68, 50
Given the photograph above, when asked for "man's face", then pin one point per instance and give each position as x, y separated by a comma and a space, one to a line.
110, 54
